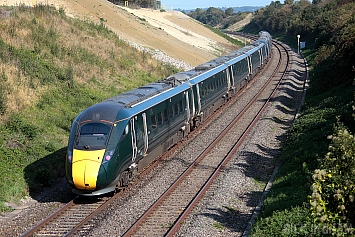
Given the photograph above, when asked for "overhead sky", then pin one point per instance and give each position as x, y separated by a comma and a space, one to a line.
193, 4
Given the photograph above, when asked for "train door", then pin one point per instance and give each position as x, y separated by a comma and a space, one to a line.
191, 94
145, 134
230, 77
250, 67
197, 119
188, 112
190, 109
139, 136
134, 140
229, 84
198, 99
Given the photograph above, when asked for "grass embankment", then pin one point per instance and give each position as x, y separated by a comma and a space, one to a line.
286, 210
51, 68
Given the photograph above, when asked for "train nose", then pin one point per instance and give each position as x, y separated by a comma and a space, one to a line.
85, 168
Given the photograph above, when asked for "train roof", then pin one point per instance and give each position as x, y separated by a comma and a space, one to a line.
129, 98
140, 95
104, 111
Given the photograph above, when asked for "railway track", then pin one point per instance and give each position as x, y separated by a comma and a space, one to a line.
70, 217
74, 215
165, 216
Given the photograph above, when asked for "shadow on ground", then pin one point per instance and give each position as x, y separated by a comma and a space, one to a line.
46, 178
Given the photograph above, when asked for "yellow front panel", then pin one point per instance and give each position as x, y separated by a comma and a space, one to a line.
85, 168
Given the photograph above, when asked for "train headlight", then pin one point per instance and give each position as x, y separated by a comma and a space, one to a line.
107, 157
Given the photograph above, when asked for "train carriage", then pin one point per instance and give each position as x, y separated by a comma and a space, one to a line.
239, 69
112, 140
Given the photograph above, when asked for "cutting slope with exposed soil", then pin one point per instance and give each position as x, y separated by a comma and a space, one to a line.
171, 32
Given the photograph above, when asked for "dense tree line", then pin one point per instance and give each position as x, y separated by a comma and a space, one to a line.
329, 25
216, 17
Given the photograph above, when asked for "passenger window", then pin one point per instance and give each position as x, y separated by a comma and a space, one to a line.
125, 131
165, 115
171, 112
153, 121
180, 106
160, 119
176, 108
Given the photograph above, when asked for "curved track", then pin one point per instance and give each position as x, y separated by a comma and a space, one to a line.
166, 214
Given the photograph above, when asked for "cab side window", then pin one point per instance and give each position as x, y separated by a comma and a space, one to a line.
126, 130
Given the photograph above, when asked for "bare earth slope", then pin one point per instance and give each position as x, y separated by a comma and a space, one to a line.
171, 32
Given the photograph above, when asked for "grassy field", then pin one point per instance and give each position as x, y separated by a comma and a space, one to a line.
51, 68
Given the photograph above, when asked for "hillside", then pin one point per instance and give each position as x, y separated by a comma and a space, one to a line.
171, 32
55, 63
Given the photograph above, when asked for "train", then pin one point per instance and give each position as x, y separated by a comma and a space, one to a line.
111, 141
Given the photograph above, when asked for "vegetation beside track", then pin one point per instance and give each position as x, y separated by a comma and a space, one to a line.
51, 68
313, 193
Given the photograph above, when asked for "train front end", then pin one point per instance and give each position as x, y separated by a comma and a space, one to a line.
93, 161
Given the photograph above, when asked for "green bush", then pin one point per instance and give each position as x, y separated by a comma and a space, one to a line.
17, 124
332, 200
293, 222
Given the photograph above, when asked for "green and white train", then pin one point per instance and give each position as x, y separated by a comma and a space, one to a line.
112, 140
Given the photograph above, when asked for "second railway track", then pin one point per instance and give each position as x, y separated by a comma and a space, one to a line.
167, 223
165, 216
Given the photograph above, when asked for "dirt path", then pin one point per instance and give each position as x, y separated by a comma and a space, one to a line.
241, 23
172, 32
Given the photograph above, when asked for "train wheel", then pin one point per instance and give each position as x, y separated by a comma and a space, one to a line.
197, 122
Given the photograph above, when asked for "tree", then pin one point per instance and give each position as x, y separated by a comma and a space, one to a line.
229, 11
315, 2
